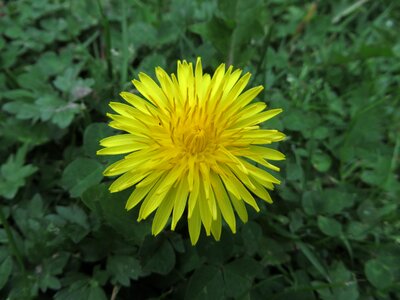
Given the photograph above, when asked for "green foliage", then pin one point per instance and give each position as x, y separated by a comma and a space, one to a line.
333, 230
13, 173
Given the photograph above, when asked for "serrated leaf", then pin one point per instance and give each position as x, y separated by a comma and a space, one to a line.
59, 112
73, 214
14, 172
123, 268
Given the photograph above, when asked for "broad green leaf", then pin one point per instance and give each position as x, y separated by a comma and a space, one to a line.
158, 256
345, 285
111, 207
96, 293
239, 276
321, 161
6, 267
329, 226
378, 274
80, 175
92, 136
206, 283
149, 63
251, 235
357, 230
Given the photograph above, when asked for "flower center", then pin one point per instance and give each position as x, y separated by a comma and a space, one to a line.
194, 140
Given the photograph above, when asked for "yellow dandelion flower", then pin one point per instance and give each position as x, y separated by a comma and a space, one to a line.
189, 144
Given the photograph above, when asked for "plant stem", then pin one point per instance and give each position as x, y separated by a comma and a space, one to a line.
107, 39
125, 58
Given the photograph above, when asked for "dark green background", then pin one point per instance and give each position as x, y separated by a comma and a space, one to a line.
333, 231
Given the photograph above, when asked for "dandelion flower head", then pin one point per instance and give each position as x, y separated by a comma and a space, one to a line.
193, 144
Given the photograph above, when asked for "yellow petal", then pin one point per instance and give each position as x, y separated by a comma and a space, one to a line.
180, 202
239, 207
193, 197
267, 153
194, 224
261, 192
254, 119
223, 201
121, 149
212, 205
216, 226
242, 190
138, 102
158, 195
118, 140
138, 194
260, 174
163, 212
125, 181
205, 213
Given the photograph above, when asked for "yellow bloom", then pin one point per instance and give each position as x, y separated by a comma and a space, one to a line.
189, 141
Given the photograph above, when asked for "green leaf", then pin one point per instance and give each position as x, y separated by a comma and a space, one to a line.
65, 81
239, 276
294, 171
77, 227
251, 234
111, 207
150, 62
73, 214
378, 274
80, 175
59, 112
357, 230
321, 161
329, 226
51, 64
14, 172
123, 268
346, 287
277, 254
96, 293
216, 31
305, 249
206, 283
158, 256
48, 281
329, 201
142, 33
92, 136
78, 290
22, 110
6, 267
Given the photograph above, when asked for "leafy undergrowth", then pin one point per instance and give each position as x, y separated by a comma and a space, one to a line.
333, 231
